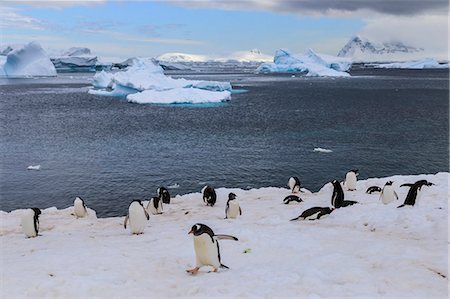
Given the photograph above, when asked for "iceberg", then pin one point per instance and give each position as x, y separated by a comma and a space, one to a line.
310, 63
144, 82
27, 61
75, 60
428, 63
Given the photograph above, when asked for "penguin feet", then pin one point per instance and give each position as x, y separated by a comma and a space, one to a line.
193, 271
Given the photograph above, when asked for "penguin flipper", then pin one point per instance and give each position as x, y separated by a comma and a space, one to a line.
406, 185
223, 266
396, 195
225, 237
401, 206
125, 222
240, 211
296, 218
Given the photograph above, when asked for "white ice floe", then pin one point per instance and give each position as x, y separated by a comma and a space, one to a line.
428, 63
144, 82
34, 167
27, 61
363, 251
322, 150
310, 63
174, 186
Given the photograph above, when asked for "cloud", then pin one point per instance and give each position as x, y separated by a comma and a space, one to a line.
325, 7
11, 18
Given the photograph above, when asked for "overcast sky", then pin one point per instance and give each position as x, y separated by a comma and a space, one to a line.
150, 28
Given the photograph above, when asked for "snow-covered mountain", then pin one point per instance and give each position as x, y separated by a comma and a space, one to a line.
362, 49
182, 57
238, 56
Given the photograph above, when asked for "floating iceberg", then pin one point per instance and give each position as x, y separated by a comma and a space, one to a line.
310, 63
34, 167
27, 61
75, 60
428, 63
144, 82
322, 150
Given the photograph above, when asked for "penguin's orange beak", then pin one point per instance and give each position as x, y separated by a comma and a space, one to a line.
190, 232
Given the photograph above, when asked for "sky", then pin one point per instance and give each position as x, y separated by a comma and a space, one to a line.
150, 28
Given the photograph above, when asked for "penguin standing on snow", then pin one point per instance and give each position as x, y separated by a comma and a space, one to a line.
209, 195
388, 193
337, 198
206, 247
163, 195
294, 184
414, 189
137, 216
314, 213
154, 206
350, 179
233, 209
79, 207
30, 222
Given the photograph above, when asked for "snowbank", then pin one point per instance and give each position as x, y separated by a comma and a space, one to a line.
145, 82
28, 61
428, 63
310, 63
365, 250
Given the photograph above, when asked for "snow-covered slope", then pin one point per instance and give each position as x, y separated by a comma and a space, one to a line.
311, 63
144, 82
428, 63
181, 57
253, 55
363, 251
360, 49
28, 61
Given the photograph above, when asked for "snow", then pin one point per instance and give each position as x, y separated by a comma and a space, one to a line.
322, 150
311, 63
28, 61
181, 57
366, 250
253, 55
144, 82
428, 63
75, 59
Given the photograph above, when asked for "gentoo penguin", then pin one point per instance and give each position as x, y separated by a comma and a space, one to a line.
209, 195
338, 195
373, 189
350, 179
288, 199
206, 247
30, 222
163, 195
233, 209
79, 207
314, 213
388, 193
137, 216
154, 206
413, 192
294, 184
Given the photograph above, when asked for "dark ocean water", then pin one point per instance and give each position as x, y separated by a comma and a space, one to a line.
109, 151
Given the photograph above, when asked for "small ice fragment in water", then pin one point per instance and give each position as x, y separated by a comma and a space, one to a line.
34, 167
322, 150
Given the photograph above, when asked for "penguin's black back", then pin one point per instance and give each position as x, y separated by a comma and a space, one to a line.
164, 195
338, 195
209, 196
373, 189
320, 211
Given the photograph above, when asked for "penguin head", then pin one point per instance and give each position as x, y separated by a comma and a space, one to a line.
138, 201
199, 228
389, 183
231, 196
335, 182
36, 211
355, 171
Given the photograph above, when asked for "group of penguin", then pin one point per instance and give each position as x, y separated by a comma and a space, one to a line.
206, 244
387, 195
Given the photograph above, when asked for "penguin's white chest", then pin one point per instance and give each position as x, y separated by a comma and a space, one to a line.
293, 185
151, 207
78, 208
137, 218
233, 209
350, 181
28, 224
388, 195
206, 251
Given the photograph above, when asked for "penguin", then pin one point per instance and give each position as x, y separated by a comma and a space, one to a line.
314, 213
288, 199
350, 179
30, 222
79, 207
347, 203
233, 209
388, 193
154, 206
294, 184
163, 195
209, 195
206, 247
373, 189
337, 198
414, 189
137, 216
